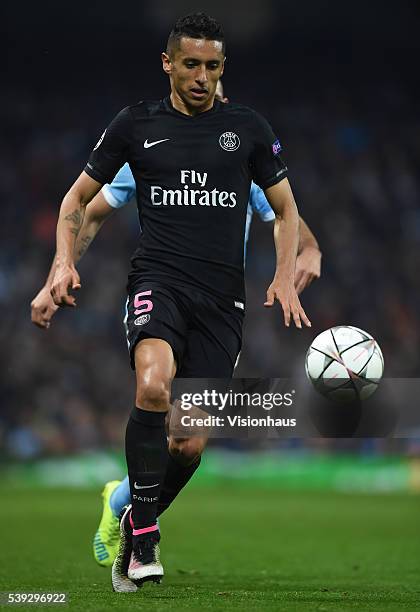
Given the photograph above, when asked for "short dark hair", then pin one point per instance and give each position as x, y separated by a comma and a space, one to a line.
196, 25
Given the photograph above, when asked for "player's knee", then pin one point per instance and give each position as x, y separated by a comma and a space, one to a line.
153, 395
186, 451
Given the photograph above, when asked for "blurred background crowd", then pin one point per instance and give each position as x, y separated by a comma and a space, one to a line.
339, 91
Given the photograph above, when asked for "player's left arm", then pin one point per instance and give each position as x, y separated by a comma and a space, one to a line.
308, 262
286, 240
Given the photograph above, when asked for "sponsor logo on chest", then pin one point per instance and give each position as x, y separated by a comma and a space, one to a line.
192, 192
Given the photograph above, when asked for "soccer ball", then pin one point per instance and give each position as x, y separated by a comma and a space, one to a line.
345, 364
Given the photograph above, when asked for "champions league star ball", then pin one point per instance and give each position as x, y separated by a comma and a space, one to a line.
345, 364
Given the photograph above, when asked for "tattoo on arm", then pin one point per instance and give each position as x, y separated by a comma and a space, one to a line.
76, 218
84, 243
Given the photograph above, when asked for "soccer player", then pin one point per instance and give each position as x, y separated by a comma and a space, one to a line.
193, 160
122, 191
115, 196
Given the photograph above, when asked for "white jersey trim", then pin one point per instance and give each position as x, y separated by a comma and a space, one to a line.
110, 198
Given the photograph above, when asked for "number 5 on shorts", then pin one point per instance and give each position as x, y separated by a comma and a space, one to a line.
141, 305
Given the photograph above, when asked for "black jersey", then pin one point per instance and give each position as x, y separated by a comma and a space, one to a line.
193, 177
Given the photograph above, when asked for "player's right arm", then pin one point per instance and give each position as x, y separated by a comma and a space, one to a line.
70, 221
110, 153
111, 197
97, 212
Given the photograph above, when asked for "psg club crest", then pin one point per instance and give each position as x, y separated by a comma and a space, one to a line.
229, 141
142, 320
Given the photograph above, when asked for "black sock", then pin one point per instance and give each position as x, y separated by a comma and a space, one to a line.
146, 451
176, 478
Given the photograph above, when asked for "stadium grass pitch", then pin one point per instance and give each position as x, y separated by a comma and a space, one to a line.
226, 549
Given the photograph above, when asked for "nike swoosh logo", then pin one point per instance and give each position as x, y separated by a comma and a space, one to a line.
136, 486
147, 145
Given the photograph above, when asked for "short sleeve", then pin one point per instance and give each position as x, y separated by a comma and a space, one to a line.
122, 189
259, 204
267, 166
111, 151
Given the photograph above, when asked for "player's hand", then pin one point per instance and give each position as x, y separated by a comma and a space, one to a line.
66, 278
285, 293
308, 268
43, 308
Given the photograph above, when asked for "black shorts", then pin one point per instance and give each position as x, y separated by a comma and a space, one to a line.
205, 333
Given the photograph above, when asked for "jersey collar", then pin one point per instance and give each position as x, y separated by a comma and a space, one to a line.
168, 106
